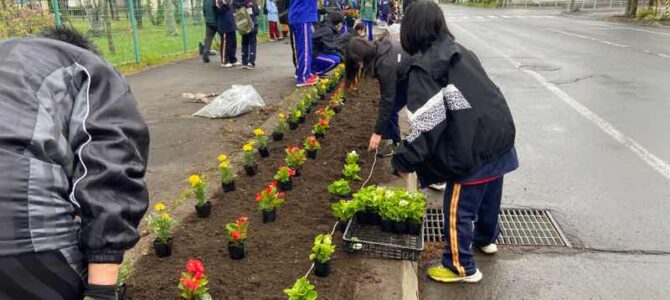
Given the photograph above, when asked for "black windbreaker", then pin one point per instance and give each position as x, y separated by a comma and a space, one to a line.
459, 118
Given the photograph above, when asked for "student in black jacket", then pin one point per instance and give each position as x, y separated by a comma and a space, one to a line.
382, 59
326, 51
462, 132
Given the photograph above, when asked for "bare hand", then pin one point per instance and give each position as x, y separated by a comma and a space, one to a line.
375, 140
103, 274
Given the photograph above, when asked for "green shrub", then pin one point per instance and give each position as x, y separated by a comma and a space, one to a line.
22, 21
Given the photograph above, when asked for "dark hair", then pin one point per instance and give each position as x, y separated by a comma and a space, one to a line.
360, 54
423, 24
359, 26
336, 17
70, 36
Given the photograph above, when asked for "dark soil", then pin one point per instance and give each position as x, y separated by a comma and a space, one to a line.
277, 252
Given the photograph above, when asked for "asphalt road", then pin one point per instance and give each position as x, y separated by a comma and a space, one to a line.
591, 100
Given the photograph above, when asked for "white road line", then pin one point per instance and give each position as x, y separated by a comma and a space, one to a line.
493, 17
649, 158
506, 17
609, 43
480, 17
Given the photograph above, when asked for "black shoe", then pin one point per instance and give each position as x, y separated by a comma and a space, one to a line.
205, 58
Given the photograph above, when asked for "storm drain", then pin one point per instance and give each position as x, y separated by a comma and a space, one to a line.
518, 226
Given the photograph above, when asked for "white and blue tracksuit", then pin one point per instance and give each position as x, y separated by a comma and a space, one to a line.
301, 15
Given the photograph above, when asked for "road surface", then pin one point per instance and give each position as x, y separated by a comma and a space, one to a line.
591, 101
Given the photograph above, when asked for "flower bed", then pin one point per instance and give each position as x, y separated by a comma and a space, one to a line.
277, 253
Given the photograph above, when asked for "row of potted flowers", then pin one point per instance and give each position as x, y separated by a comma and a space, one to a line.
394, 209
193, 284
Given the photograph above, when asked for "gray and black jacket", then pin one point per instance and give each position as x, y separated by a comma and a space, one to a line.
459, 118
73, 153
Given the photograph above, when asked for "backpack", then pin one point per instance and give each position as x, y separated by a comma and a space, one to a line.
243, 21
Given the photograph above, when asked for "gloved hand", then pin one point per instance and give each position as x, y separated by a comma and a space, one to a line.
100, 292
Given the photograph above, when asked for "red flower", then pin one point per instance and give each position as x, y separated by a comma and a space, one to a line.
244, 220
281, 195
197, 277
195, 266
323, 122
258, 197
189, 284
274, 184
291, 172
236, 235
268, 189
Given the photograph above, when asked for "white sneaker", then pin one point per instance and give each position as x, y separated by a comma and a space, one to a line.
489, 249
237, 64
227, 65
438, 186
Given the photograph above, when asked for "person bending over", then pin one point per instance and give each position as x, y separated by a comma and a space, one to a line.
462, 132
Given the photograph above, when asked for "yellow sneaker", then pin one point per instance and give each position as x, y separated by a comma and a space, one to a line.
442, 274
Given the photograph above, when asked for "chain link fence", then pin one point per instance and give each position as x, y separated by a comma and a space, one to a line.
130, 31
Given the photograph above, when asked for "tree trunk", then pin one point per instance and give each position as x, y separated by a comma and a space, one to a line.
108, 27
170, 21
631, 8
92, 8
138, 13
160, 12
196, 12
572, 6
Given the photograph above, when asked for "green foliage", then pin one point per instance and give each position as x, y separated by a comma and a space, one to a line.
301, 290
323, 248
295, 115
370, 197
351, 172
340, 188
162, 224
22, 21
345, 210
352, 158
124, 272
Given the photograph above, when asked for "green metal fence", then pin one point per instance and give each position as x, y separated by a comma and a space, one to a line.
135, 31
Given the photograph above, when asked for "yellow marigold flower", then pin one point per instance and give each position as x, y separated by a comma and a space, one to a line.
165, 216
194, 180
298, 114
259, 132
160, 207
282, 116
223, 165
323, 86
223, 158
247, 147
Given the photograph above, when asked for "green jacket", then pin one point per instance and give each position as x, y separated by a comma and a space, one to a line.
208, 11
368, 10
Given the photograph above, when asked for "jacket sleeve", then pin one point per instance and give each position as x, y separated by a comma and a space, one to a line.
387, 88
427, 123
111, 142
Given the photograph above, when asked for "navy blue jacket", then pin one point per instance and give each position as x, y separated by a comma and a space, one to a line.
225, 20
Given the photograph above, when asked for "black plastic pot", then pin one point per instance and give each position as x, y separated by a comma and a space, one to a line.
163, 250
319, 136
311, 154
286, 186
414, 228
277, 136
374, 217
322, 269
308, 109
302, 119
264, 152
203, 211
298, 172
228, 187
236, 252
251, 170
323, 97
292, 126
337, 109
342, 226
362, 218
399, 227
270, 216
387, 225
121, 291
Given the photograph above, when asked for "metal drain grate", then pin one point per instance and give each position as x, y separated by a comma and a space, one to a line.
518, 226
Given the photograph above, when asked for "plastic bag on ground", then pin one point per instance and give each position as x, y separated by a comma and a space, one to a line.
238, 100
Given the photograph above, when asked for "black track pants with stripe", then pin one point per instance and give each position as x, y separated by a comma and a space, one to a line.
470, 218
44, 275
